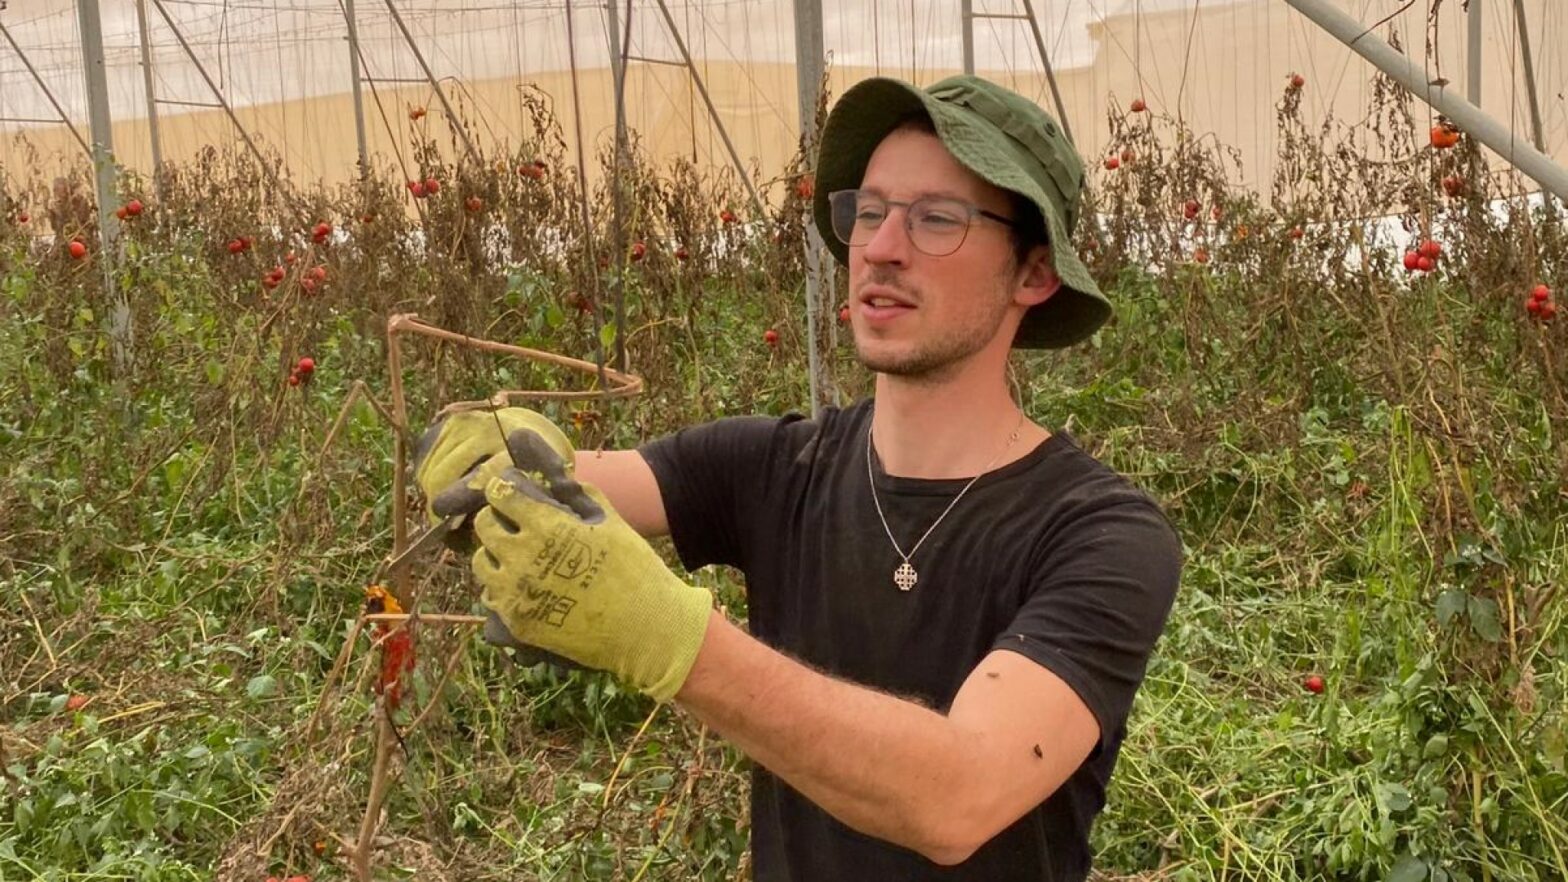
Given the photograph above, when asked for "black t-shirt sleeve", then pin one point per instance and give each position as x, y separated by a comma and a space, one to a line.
1102, 592
711, 480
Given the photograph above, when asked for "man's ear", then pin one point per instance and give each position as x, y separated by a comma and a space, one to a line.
1037, 279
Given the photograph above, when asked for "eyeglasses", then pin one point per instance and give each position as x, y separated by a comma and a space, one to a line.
937, 225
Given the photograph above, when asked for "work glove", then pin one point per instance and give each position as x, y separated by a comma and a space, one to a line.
454, 447
564, 572
453, 461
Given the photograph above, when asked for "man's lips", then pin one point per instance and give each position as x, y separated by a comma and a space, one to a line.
872, 293
880, 305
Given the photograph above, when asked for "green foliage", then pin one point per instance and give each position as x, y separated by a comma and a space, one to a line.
1368, 473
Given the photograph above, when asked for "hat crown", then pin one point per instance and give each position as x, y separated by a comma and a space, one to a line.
1059, 169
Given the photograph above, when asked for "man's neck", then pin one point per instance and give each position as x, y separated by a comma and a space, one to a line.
954, 429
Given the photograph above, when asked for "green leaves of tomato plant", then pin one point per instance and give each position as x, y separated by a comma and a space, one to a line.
1482, 613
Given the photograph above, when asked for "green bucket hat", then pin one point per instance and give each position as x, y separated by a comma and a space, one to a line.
999, 135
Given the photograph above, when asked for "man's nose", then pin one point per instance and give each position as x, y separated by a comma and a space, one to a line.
890, 241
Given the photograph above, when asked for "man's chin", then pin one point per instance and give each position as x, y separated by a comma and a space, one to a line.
907, 364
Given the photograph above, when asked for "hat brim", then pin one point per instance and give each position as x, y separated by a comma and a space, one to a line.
869, 110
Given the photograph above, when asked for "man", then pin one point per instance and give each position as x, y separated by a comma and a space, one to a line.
950, 606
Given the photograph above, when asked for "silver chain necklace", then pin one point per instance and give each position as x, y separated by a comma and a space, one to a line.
905, 576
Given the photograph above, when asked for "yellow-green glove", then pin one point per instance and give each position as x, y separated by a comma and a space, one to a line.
457, 445
466, 496
565, 573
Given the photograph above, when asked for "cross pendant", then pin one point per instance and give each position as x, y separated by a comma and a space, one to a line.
905, 576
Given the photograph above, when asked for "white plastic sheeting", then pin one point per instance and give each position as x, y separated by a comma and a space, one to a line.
284, 64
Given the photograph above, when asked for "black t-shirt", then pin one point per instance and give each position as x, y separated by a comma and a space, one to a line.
1054, 556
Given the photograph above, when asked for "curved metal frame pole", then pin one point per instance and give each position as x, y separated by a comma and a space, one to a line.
713, 112
1529, 76
28, 63
216, 92
1050, 74
457, 126
1552, 177
967, 16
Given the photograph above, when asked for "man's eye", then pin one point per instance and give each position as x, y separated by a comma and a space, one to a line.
939, 221
870, 215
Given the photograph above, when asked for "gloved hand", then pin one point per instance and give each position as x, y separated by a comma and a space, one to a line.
564, 572
453, 461
454, 447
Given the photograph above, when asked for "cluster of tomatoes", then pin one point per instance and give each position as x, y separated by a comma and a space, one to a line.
302, 372
1423, 258
1541, 304
129, 210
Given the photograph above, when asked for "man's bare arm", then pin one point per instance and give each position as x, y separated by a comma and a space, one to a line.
628, 481
939, 785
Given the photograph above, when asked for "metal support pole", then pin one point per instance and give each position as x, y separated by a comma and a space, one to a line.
1536, 129
1404, 70
457, 125
1473, 53
713, 112
102, 127
620, 51
28, 63
1529, 77
152, 100
1473, 58
618, 72
582, 178
809, 52
359, 99
966, 18
1050, 75
216, 92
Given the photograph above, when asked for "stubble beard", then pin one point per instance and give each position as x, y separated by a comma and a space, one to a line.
935, 360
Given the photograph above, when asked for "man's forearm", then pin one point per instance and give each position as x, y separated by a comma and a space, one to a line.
879, 764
